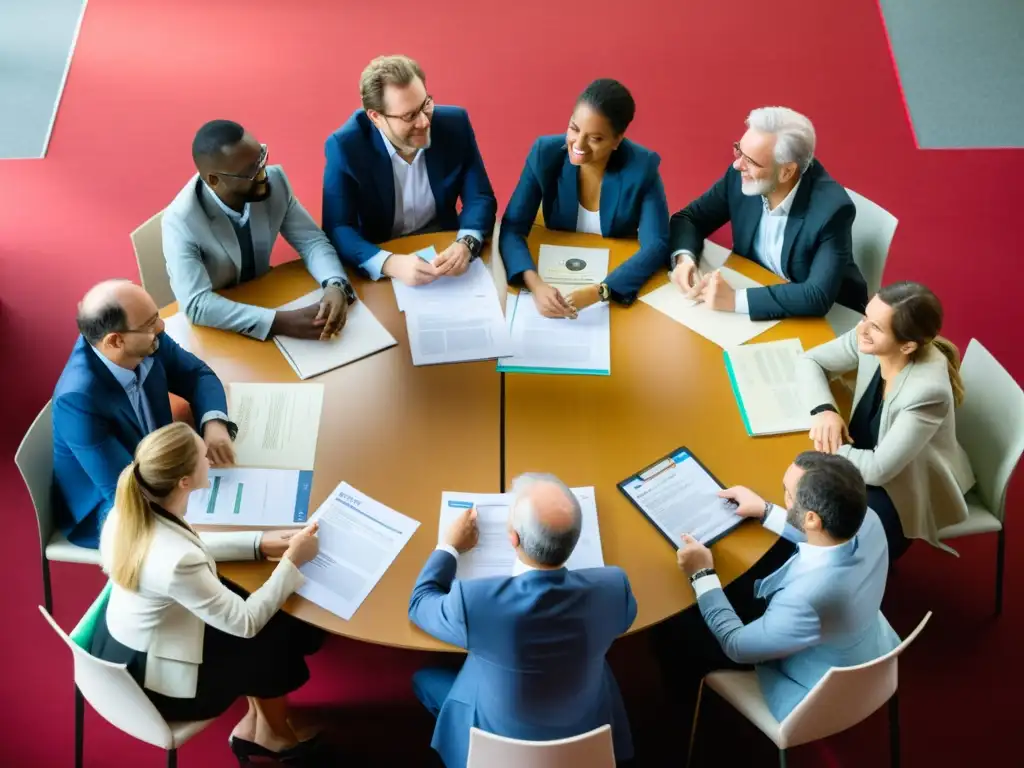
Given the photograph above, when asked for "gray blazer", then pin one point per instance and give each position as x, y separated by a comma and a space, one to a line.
202, 253
918, 460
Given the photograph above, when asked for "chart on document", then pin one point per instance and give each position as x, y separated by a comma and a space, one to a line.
680, 496
252, 498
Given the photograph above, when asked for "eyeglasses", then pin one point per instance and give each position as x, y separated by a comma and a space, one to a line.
148, 329
426, 108
259, 167
737, 153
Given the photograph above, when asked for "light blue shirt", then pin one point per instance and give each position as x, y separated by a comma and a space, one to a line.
415, 206
238, 219
768, 240
134, 388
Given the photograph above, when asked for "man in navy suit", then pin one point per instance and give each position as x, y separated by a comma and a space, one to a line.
787, 214
112, 393
397, 167
537, 638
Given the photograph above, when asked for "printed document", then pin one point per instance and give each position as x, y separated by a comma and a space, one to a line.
278, 424
569, 267
494, 555
473, 284
679, 496
362, 336
252, 498
557, 345
726, 329
764, 380
359, 540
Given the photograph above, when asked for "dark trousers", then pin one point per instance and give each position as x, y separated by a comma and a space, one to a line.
879, 501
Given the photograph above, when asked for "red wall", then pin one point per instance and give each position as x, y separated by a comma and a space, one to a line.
146, 74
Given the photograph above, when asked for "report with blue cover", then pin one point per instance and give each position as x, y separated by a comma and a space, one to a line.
764, 381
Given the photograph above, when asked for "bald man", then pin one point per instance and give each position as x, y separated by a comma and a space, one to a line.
536, 639
112, 393
221, 228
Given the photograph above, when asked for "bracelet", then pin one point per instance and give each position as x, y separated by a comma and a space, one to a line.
702, 573
823, 408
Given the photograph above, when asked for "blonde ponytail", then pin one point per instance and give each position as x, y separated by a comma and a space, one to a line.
952, 355
162, 459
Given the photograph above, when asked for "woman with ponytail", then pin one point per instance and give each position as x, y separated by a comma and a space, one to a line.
192, 643
902, 434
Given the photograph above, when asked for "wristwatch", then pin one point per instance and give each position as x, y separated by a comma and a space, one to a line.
346, 288
822, 408
473, 244
702, 573
603, 291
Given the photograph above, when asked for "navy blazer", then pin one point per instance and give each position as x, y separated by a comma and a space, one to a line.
817, 248
536, 666
632, 203
96, 431
359, 183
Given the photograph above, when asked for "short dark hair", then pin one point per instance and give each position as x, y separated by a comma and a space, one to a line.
613, 100
211, 139
109, 318
834, 488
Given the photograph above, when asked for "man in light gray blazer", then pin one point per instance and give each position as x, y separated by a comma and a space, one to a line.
823, 604
221, 228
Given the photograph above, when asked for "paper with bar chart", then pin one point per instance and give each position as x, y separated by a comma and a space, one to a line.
252, 498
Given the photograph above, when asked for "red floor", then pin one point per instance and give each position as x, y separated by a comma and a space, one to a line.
148, 72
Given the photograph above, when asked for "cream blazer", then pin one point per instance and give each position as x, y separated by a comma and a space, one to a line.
918, 460
179, 594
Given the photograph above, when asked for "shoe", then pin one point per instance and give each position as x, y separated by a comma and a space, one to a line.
306, 754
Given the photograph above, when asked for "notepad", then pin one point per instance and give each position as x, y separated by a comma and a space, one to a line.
557, 345
764, 380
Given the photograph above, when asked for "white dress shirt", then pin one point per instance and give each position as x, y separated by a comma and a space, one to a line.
588, 221
768, 240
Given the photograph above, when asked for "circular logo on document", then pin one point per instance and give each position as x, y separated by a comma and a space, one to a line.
575, 265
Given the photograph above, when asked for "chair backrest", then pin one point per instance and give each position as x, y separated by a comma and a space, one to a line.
35, 462
593, 750
149, 253
873, 230
845, 696
115, 695
990, 424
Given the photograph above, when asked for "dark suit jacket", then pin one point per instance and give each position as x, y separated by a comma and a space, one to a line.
96, 431
359, 183
817, 250
632, 203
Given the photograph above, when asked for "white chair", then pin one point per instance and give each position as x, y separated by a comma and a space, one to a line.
842, 698
148, 243
35, 461
115, 695
593, 750
873, 230
990, 427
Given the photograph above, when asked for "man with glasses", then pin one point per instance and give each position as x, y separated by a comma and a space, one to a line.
221, 229
113, 392
397, 167
787, 214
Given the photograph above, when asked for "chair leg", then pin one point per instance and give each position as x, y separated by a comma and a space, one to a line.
782, 758
172, 758
894, 731
79, 728
1000, 562
47, 593
693, 727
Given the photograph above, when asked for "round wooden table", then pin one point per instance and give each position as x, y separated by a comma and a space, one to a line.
403, 434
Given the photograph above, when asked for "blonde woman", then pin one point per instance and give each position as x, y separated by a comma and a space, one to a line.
192, 643
902, 433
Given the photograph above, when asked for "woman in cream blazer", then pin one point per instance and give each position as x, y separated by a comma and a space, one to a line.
193, 644
902, 431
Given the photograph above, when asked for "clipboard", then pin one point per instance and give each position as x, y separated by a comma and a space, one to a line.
665, 463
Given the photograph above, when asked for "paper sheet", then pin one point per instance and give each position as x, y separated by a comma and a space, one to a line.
764, 380
679, 496
726, 329
252, 498
474, 284
494, 555
362, 336
278, 424
557, 345
570, 267
405, 295
359, 540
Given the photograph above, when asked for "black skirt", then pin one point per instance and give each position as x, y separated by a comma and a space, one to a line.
269, 665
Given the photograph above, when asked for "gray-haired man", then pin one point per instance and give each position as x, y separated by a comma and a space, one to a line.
537, 640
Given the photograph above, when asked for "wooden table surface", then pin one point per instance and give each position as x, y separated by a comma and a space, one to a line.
403, 434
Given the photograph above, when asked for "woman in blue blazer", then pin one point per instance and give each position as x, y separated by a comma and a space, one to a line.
592, 179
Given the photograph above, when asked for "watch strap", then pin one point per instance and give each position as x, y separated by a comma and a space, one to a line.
603, 291
822, 408
702, 573
474, 245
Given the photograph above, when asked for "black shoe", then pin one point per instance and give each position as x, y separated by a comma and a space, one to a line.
312, 753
